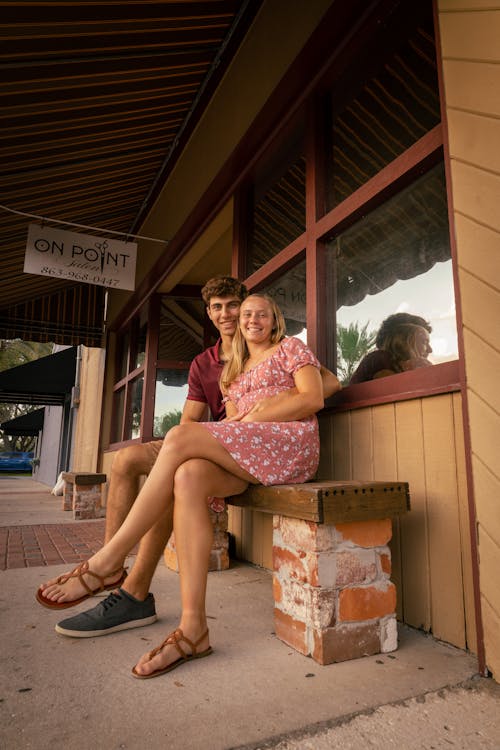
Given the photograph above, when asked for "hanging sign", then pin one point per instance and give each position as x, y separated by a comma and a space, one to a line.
80, 257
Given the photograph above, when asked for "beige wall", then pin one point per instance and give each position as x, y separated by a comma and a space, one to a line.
470, 34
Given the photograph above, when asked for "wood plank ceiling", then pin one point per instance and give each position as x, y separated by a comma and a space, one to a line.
96, 102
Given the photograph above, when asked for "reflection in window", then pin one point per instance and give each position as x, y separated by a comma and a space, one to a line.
135, 412
395, 260
279, 203
387, 113
141, 345
181, 329
123, 355
170, 395
289, 291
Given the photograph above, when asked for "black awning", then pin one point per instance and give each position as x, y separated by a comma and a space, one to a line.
26, 424
47, 380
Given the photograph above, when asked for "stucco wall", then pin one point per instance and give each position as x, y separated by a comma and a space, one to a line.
86, 440
470, 34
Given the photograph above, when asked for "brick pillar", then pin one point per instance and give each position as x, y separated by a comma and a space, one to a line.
219, 555
67, 502
86, 501
333, 597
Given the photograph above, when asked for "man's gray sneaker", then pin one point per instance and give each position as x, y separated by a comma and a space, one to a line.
118, 611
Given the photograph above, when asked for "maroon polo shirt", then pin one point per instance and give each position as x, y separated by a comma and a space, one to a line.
203, 381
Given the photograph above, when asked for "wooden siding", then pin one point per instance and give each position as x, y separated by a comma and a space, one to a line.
421, 442
471, 71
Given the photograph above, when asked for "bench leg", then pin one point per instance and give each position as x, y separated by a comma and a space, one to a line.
67, 501
219, 555
333, 597
87, 501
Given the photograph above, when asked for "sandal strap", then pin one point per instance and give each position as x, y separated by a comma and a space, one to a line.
174, 639
79, 572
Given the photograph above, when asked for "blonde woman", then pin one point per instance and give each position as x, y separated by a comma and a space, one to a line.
265, 439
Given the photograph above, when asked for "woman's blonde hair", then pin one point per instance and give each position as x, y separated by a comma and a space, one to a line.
402, 344
234, 366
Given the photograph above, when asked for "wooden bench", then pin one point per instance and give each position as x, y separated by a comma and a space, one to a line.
83, 494
333, 597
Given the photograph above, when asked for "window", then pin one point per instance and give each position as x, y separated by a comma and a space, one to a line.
394, 260
289, 291
387, 111
278, 201
153, 356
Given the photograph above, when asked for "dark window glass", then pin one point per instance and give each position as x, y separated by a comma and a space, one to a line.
394, 260
142, 335
289, 291
278, 215
388, 112
119, 405
123, 354
135, 411
181, 329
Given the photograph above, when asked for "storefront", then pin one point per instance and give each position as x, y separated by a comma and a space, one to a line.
346, 163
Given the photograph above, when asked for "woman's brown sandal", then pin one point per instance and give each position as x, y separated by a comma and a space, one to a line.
174, 639
79, 572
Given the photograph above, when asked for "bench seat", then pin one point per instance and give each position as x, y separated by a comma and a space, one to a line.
328, 501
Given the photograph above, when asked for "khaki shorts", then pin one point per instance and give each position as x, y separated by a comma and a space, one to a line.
152, 450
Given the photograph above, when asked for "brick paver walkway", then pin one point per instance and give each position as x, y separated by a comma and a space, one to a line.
49, 544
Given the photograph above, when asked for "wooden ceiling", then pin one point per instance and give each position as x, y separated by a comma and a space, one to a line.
96, 102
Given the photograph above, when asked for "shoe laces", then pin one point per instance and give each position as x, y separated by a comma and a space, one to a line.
111, 600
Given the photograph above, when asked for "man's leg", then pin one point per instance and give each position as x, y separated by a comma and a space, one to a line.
128, 466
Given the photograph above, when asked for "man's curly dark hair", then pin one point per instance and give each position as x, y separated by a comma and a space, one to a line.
223, 286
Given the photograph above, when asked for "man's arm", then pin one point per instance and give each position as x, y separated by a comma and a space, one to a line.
331, 383
194, 411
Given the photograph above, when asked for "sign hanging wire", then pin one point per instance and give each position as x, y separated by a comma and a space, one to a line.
44, 219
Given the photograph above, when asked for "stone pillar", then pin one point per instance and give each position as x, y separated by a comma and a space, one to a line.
333, 597
219, 555
82, 495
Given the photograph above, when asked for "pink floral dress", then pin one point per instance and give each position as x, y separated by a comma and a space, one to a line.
272, 452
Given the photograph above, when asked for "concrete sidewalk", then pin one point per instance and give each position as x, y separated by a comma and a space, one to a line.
253, 692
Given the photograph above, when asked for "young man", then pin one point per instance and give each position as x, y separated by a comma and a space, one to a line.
131, 604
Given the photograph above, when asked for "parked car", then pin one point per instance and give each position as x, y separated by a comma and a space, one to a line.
16, 461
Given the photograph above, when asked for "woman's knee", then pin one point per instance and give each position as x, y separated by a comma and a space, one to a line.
190, 477
179, 439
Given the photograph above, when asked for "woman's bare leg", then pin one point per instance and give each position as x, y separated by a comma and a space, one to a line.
193, 540
182, 443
